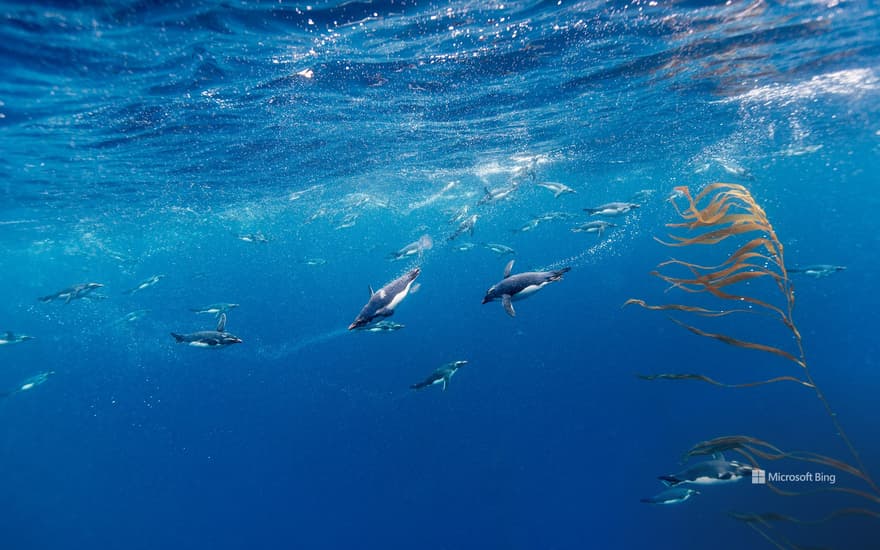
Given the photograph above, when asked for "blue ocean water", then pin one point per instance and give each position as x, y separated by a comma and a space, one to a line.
146, 138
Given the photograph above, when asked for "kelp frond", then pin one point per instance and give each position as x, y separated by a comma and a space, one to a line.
704, 378
727, 212
719, 212
767, 518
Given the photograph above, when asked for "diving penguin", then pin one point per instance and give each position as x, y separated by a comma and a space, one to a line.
671, 496
612, 209
383, 302
215, 309
209, 338
517, 287
76, 291
710, 472
817, 271
440, 376
29, 383
145, 284
11, 338
383, 326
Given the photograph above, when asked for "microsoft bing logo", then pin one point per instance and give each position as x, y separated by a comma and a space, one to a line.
759, 476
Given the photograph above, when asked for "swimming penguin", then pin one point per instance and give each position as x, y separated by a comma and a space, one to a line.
466, 226
671, 496
10, 338
35, 381
440, 376
734, 168
257, 237
612, 209
209, 338
499, 249
594, 227
553, 216
491, 195
30, 383
557, 188
517, 287
145, 284
215, 309
459, 214
425, 242
528, 226
383, 302
817, 271
313, 261
133, 316
711, 472
383, 326
73, 293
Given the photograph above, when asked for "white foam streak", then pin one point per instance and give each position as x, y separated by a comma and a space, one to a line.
841, 83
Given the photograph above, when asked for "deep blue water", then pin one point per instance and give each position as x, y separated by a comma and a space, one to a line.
144, 138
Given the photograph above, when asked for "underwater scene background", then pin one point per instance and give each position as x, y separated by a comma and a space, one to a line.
273, 155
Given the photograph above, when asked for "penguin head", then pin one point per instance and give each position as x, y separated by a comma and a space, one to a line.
490, 295
358, 323
229, 339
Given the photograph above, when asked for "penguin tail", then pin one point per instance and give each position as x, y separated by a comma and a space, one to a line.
177, 337
669, 481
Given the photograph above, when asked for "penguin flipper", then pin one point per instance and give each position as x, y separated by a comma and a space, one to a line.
669, 481
384, 312
508, 268
444, 384
221, 324
508, 305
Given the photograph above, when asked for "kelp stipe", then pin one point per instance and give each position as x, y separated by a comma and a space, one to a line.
724, 213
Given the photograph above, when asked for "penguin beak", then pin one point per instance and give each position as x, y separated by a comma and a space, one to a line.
486, 299
353, 326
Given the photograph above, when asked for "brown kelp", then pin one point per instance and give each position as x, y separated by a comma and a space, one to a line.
726, 213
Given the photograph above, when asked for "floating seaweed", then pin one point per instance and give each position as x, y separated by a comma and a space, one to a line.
721, 213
